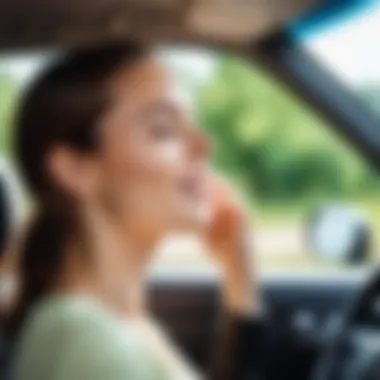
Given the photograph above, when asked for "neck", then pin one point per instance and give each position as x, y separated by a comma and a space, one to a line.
110, 265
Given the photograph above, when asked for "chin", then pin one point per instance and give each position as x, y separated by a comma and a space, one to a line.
195, 219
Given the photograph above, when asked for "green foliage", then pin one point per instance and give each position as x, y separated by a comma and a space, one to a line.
8, 94
273, 145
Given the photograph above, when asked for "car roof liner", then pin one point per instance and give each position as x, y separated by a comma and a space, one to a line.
60, 23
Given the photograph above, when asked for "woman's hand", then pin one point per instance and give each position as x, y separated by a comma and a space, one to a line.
228, 237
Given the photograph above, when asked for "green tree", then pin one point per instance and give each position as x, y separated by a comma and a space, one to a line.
271, 143
8, 96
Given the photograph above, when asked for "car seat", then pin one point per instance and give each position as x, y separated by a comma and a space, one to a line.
10, 217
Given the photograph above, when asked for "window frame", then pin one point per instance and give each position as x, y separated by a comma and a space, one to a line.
289, 63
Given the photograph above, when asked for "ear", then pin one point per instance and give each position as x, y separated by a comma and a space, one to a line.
75, 173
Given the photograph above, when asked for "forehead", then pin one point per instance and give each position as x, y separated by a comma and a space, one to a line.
147, 81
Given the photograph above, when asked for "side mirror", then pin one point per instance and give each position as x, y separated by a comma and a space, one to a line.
339, 233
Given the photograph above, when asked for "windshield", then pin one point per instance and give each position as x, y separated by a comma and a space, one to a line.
350, 50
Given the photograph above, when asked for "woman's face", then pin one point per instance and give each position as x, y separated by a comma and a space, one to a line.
153, 159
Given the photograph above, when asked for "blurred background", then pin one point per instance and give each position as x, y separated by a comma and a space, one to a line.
283, 158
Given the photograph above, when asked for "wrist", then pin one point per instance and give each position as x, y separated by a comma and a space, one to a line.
240, 296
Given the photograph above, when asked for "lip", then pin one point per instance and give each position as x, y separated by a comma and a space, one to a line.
193, 185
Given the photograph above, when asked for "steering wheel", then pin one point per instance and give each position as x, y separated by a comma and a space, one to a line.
353, 353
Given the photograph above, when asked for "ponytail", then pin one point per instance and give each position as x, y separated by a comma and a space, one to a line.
61, 108
40, 261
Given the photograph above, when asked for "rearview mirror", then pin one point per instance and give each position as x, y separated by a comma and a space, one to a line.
339, 233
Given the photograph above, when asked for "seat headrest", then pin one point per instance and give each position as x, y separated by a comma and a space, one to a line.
10, 204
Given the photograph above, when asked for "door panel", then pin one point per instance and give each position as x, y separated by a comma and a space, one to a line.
188, 309
188, 312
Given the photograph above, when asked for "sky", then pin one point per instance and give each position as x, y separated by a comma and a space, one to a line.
350, 49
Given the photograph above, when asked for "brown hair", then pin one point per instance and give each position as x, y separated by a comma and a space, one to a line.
61, 107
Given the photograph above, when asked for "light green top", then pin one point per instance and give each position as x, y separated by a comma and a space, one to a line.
70, 338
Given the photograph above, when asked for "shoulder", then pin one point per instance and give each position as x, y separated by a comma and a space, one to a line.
79, 340
62, 319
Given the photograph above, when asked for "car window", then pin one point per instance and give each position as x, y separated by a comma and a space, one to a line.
349, 50
301, 183
289, 166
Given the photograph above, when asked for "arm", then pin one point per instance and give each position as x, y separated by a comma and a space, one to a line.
246, 339
253, 348
249, 345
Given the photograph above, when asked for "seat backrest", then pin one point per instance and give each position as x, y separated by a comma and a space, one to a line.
4, 356
10, 217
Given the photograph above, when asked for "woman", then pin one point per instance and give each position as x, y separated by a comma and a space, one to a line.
109, 151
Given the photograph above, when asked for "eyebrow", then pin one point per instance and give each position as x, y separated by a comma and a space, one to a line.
162, 107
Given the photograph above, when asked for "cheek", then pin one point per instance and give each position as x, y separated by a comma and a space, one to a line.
170, 156
143, 179
159, 165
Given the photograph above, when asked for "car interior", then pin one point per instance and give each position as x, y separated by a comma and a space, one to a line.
338, 305
10, 217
